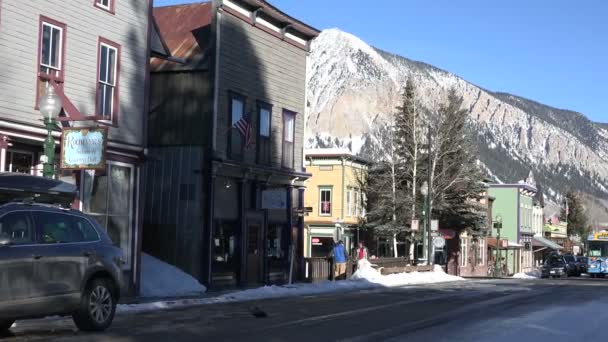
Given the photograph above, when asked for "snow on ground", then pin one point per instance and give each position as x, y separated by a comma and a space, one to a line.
366, 277
160, 279
527, 275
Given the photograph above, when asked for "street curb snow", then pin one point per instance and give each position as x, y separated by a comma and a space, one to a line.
363, 279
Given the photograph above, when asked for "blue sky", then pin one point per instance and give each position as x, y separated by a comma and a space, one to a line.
551, 51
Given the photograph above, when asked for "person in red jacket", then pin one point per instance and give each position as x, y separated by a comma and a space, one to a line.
361, 252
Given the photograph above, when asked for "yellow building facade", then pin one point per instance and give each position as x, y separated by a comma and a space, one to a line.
338, 203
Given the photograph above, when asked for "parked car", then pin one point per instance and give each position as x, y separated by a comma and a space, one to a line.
56, 262
574, 268
583, 263
555, 267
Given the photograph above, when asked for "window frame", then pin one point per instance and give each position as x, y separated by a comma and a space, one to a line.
231, 129
38, 229
41, 76
110, 8
32, 227
116, 94
349, 198
287, 114
261, 105
322, 189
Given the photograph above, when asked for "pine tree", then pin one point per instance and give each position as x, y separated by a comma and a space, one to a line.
575, 215
455, 176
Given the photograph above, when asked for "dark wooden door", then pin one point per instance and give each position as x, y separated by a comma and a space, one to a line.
254, 252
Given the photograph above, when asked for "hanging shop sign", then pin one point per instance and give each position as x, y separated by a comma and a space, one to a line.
83, 148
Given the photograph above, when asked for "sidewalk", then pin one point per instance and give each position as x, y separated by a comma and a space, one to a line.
364, 278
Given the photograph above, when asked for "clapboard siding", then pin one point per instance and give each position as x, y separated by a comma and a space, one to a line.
85, 24
262, 67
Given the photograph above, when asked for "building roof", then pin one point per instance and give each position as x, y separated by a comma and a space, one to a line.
334, 153
282, 17
524, 186
186, 30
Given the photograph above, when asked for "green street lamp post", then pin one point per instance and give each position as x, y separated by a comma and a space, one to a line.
498, 227
50, 106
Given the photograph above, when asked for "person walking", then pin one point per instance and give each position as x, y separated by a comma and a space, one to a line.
340, 257
361, 252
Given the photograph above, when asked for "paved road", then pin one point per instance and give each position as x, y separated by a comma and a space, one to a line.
483, 310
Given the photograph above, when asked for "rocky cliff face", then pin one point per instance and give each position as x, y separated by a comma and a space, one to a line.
351, 84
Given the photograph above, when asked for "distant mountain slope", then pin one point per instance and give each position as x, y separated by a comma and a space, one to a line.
351, 85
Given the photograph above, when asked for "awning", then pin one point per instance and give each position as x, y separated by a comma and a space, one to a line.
539, 241
511, 245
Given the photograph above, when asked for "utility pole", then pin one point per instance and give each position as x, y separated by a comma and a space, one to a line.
428, 200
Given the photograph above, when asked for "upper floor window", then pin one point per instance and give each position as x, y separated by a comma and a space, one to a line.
349, 202
264, 129
289, 123
51, 44
237, 117
51, 53
107, 5
107, 82
325, 201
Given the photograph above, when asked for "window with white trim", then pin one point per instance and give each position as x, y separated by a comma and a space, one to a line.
108, 62
464, 251
481, 251
325, 201
289, 123
51, 50
105, 4
349, 206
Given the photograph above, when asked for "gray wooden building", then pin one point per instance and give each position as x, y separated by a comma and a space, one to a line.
95, 53
225, 157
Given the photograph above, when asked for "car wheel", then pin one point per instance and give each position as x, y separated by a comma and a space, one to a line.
97, 306
6, 324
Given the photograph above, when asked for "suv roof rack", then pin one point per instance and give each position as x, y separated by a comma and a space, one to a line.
32, 201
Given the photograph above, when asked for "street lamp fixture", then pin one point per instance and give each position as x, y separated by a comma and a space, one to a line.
50, 106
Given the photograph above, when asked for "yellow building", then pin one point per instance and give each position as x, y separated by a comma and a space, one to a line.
334, 194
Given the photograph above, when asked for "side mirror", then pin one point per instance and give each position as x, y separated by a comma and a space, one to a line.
5, 241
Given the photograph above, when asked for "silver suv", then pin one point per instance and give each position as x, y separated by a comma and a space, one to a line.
56, 261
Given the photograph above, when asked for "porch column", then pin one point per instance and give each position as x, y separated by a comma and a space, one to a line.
3, 147
289, 190
300, 247
242, 276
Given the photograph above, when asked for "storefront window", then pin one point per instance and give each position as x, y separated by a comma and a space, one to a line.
225, 252
274, 249
108, 198
320, 246
21, 162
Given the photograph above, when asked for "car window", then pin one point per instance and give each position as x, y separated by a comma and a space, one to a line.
569, 258
62, 228
86, 229
17, 227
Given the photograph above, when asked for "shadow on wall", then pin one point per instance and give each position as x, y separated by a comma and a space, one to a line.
180, 124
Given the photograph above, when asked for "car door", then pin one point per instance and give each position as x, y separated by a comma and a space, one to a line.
17, 258
61, 266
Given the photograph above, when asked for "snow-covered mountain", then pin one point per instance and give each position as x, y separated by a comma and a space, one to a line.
351, 84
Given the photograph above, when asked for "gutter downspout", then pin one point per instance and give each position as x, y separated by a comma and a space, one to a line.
343, 186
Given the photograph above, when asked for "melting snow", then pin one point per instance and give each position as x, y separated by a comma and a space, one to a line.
159, 279
365, 277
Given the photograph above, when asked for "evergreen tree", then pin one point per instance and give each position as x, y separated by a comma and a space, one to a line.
455, 176
575, 215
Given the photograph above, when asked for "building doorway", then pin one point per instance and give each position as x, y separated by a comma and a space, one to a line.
254, 252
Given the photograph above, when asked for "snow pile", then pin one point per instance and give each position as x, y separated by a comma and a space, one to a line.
535, 274
159, 279
366, 277
368, 273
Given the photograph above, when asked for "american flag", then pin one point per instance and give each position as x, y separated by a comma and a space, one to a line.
245, 129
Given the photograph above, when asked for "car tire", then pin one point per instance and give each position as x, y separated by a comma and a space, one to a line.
6, 324
97, 306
